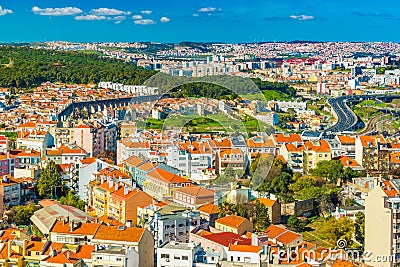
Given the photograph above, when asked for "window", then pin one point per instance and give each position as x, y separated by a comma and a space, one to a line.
164, 256
238, 258
185, 258
231, 258
177, 257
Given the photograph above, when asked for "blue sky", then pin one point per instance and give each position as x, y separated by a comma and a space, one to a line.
199, 20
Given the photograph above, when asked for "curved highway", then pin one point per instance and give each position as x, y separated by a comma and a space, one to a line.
346, 118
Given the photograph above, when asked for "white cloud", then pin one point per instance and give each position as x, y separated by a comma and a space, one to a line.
59, 11
90, 17
301, 17
109, 12
4, 11
146, 12
118, 18
208, 9
118, 22
137, 17
144, 22
165, 19
195, 15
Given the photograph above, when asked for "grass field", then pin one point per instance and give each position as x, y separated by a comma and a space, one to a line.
314, 233
267, 95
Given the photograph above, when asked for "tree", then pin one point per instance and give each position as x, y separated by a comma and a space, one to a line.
226, 208
359, 227
325, 204
49, 179
21, 215
306, 188
296, 223
73, 200
331, 170
261, 220
338, 229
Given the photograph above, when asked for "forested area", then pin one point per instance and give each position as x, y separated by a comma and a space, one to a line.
24, 67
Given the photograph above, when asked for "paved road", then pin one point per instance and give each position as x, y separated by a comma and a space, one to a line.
346, 118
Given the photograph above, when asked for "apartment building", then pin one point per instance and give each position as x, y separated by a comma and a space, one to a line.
139, 239
123, 203
86, 167
90, 137
314, 152
127, 148
230, 157
66, 154
382, 224
10, 193
162, 184
175, 225
372, 152
347, 145
193, 196
259, 145
190, 157
294, 156
138, 169
35, 140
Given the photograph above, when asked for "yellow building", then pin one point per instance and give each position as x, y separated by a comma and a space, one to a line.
162, 184
234, 224
314, 152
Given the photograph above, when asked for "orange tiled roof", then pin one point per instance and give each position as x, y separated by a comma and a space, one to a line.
64, 257
389, 189
347, 140
372, 140
287, 138
129, 234
245, 248
196, 191
81, 228
168, 176
348, 162
88, 161
318, 146
281, 235
233, 221
209, 208
267, 202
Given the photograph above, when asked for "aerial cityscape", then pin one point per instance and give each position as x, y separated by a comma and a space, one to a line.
199, 134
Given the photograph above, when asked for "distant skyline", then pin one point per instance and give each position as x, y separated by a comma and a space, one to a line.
199, 20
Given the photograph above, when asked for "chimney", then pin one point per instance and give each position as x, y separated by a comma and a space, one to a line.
128, 223
24, 247
8, 248
110, 183
116, 186
68, 254
254, 239
126, 190
71, 226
